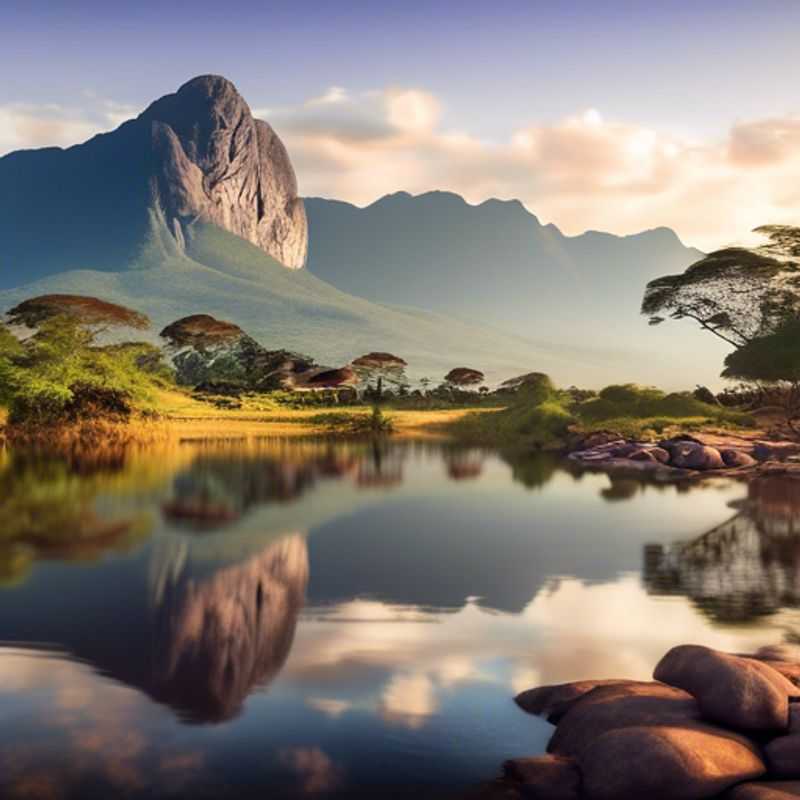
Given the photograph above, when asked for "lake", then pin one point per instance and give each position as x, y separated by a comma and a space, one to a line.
273, 617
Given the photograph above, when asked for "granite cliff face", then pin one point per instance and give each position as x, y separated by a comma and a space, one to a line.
216, 163
195, 156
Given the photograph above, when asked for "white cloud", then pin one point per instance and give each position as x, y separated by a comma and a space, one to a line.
583, 171
24, 126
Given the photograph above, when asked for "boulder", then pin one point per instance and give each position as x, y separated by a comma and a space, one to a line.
736, 458
545, 777
679, 440
730, 690
599, 439
775, 451
660, 454
783, 756
687, 761
643, 455
766, 790
607, 708
552, 702
694, 456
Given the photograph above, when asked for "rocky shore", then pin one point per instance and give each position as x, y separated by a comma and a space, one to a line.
685, 457
710, 725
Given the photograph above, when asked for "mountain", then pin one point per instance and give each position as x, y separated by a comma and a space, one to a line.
192, 208
220, 274
495, 263
194, 155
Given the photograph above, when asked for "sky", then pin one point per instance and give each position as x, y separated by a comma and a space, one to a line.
598, 114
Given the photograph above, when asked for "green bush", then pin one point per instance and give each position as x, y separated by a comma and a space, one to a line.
637, 402
59, 375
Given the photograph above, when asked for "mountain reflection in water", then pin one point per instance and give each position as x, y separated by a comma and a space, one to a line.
288, 617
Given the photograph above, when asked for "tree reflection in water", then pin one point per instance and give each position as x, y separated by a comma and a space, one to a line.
745, 568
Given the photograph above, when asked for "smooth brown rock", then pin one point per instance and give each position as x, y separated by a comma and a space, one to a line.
552, 702
643, 455
608, 708
765, 790
783, 756
688, 761
775, 451
741, 693
694, 456
736, 458
794, 717
545, 777
660, 454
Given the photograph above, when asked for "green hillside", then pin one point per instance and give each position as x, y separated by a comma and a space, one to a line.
225, 276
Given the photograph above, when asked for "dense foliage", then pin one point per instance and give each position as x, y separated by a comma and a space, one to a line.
772, 361
60, 374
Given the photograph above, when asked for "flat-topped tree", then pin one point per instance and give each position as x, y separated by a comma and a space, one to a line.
380, 368
327, 379
60, 373
464, 378
89, 312
736, 293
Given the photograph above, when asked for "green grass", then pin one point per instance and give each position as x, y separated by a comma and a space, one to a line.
634, 412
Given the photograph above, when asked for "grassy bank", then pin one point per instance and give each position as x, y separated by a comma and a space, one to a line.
540, 418
551, 418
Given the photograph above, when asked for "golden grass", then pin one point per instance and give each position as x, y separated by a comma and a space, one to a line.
192, 418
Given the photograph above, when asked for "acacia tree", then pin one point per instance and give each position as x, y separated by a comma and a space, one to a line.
738, 294
380, 368
90, 313
772, 361
464, 378
59, 371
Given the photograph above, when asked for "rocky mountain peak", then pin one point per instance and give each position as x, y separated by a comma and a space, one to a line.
218, 164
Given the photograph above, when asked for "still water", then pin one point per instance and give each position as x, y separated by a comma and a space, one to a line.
285, 618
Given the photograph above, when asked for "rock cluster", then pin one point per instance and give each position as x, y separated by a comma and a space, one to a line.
710, 725
675, 458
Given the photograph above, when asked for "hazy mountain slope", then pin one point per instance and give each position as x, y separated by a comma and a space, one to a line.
495, 263
494, 260
231, 279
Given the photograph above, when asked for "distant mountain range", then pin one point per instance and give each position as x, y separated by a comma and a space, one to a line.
496, 264
192, 207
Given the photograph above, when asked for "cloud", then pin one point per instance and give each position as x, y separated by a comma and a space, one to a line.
315, 770
584, 171
24, 126
581, 172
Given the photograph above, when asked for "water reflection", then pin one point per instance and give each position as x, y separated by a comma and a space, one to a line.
286, 618
745, 568
218, 633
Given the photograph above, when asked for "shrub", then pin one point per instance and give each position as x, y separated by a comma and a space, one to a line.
59, 375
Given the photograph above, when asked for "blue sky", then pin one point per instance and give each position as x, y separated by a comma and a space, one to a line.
691, 70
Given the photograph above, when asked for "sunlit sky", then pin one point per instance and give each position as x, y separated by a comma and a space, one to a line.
616, 115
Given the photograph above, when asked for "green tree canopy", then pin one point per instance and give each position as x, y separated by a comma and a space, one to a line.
739, 294
773, 359
58, 373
